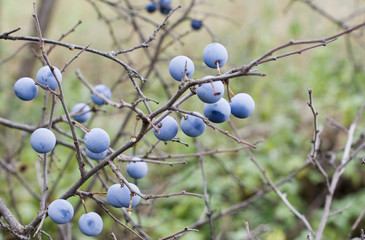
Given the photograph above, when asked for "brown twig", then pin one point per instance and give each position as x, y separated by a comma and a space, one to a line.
74, 58
337, 175
315, 140
280, 194
179, 233
316, 43
64, 35
209, 211
249, 236
61, 95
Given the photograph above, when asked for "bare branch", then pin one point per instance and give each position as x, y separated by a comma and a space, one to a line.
15, 226
209, 211
280, 194
179, 233
337, 175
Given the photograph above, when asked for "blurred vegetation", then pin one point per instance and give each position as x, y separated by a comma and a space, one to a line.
282, 122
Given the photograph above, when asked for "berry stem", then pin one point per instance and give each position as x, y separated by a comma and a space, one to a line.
130, 205
154, 127
81, 126
214, 90
103, 193
135, 128
229, 90
219, 70
83, 203
183, 115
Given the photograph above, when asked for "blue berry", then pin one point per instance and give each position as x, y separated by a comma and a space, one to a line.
217, 112
25, 89
91, 224
97, 140
81, 112
46, 77
114, 192
214, 53
165, 9
165, 6
196, 24
242, 105
207, 93
164, 2
177, 67
102, 89
119, 196
96, 156
60, 211
136, 198
137, 169
168, 128
43, 140
151, 7
192, 126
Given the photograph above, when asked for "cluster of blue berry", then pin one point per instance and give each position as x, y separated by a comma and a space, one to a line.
216, 108
96, 141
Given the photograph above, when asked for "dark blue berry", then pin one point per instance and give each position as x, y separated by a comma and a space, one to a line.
151, 7
196, 24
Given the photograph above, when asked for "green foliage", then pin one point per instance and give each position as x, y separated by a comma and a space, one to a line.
282, 123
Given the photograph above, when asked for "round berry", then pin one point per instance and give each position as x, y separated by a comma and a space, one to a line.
136, 198
60, 211
215, 53
119, 196
196, 24
114, 192
242, 105
217, 112
47, 79
43, 140
97, 140
81, 112
151, 7
165, 9
25, 89
137, 169
102, 89
91, 224
168, 129
165, 6
165, 2
210, 92
96, 156
192, 126
177, 67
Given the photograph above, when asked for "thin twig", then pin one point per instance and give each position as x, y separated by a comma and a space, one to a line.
317, 43
249, 236
179, 233
337, 175
280, 194
313, 155
212, 152
9, 168
209, 211
74, 58
356, 224
64, 35
61, 95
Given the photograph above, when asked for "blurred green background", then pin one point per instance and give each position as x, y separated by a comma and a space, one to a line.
282, 122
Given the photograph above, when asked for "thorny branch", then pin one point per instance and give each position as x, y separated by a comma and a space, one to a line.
337, 175
152, 117
313, 155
